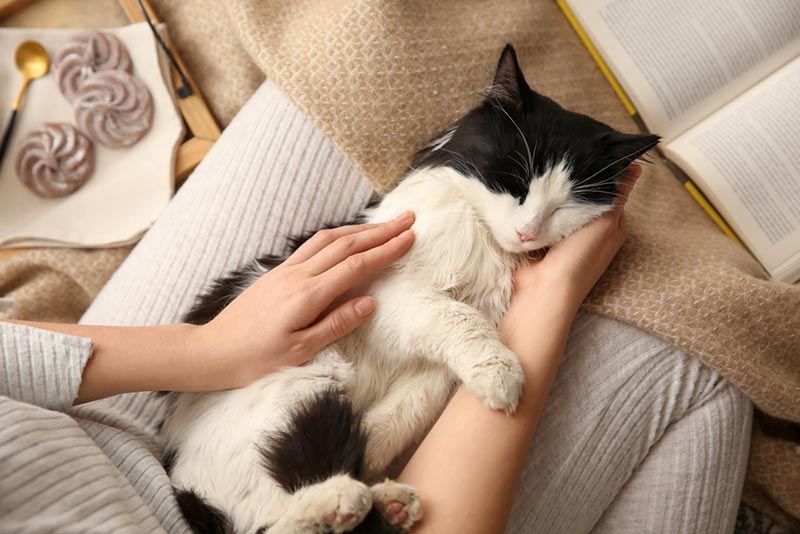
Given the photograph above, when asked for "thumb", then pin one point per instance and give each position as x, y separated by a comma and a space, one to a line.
340, 321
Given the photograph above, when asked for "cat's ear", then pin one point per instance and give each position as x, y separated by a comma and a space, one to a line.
628, 147
509, 84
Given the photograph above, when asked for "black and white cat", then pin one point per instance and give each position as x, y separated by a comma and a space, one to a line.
306, 449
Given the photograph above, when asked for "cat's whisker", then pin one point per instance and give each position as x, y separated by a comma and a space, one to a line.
464, 162
623, 158
522, 135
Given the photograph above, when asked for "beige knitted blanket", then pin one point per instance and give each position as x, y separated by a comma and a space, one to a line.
379, 77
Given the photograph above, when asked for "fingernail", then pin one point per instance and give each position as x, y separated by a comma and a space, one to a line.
404, 217
364, 306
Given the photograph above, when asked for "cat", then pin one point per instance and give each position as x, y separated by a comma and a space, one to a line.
306, 449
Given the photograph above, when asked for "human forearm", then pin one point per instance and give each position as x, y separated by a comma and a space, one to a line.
127, 359
468, 466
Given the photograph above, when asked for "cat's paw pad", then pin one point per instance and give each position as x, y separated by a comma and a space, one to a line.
497, 381
341, 504
398, 503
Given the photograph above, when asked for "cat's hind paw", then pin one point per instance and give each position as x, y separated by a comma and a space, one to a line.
335, 505
398, 503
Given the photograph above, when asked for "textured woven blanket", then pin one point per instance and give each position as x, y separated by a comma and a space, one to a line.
380, 77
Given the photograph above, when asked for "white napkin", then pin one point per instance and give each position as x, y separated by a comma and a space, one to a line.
129, 187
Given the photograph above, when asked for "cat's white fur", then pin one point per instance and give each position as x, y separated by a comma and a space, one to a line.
436, 320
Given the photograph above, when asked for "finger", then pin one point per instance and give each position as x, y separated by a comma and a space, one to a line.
346, 246
341, 321
322, 239
634, 171
357, 267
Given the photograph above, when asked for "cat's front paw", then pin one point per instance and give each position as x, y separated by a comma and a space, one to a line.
497, 380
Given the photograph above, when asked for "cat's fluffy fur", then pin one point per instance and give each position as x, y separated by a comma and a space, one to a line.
293, 452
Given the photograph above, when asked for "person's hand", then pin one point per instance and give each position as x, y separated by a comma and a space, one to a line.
282, 319
561, 280
581, 258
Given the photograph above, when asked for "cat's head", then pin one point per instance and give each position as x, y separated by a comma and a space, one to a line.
545, 171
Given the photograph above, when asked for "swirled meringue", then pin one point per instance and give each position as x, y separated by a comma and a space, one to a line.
55, 160
113, 108
86, 54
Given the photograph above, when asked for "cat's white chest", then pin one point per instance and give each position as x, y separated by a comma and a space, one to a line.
454, 251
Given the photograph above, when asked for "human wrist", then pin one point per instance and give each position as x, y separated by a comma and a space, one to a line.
176, 365
539, 319
556, 295
199, 353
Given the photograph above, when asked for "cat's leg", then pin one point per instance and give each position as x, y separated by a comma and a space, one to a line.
248, 452
404, 414
399, 503
445, 330
335, 505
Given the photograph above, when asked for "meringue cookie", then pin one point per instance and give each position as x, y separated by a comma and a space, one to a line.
113, 108
55, 160
86, 54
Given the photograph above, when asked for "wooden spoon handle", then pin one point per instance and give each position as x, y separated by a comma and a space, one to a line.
7, 135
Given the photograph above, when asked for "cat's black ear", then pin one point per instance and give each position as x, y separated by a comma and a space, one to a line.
628, 147
509, 84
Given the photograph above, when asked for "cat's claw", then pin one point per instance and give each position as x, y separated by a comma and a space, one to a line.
497, 381
399, 503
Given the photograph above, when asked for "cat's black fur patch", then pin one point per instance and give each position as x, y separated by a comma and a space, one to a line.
168, 460
516, 134
201, 516
223, 290
323, 438
375, 523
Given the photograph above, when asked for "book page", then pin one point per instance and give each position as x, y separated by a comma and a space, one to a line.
681, 60
746, 160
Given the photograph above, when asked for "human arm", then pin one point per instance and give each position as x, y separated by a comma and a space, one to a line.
281, 320
467, 468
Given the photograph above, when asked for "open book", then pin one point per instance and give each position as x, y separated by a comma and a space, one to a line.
719, 80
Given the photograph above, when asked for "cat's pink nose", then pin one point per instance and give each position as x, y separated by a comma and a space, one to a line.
526, 237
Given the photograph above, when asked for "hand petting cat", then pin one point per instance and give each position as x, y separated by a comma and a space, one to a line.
280, 320
570, 269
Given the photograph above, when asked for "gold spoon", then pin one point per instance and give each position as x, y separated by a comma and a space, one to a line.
32, 62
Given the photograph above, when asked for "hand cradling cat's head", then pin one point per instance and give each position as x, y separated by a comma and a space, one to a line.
540, 171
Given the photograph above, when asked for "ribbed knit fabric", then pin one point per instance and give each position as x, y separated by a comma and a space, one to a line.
635, 437
41, 367
626, 408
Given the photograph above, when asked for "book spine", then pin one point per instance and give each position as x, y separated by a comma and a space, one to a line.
706, 205
700, 198
626, 101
